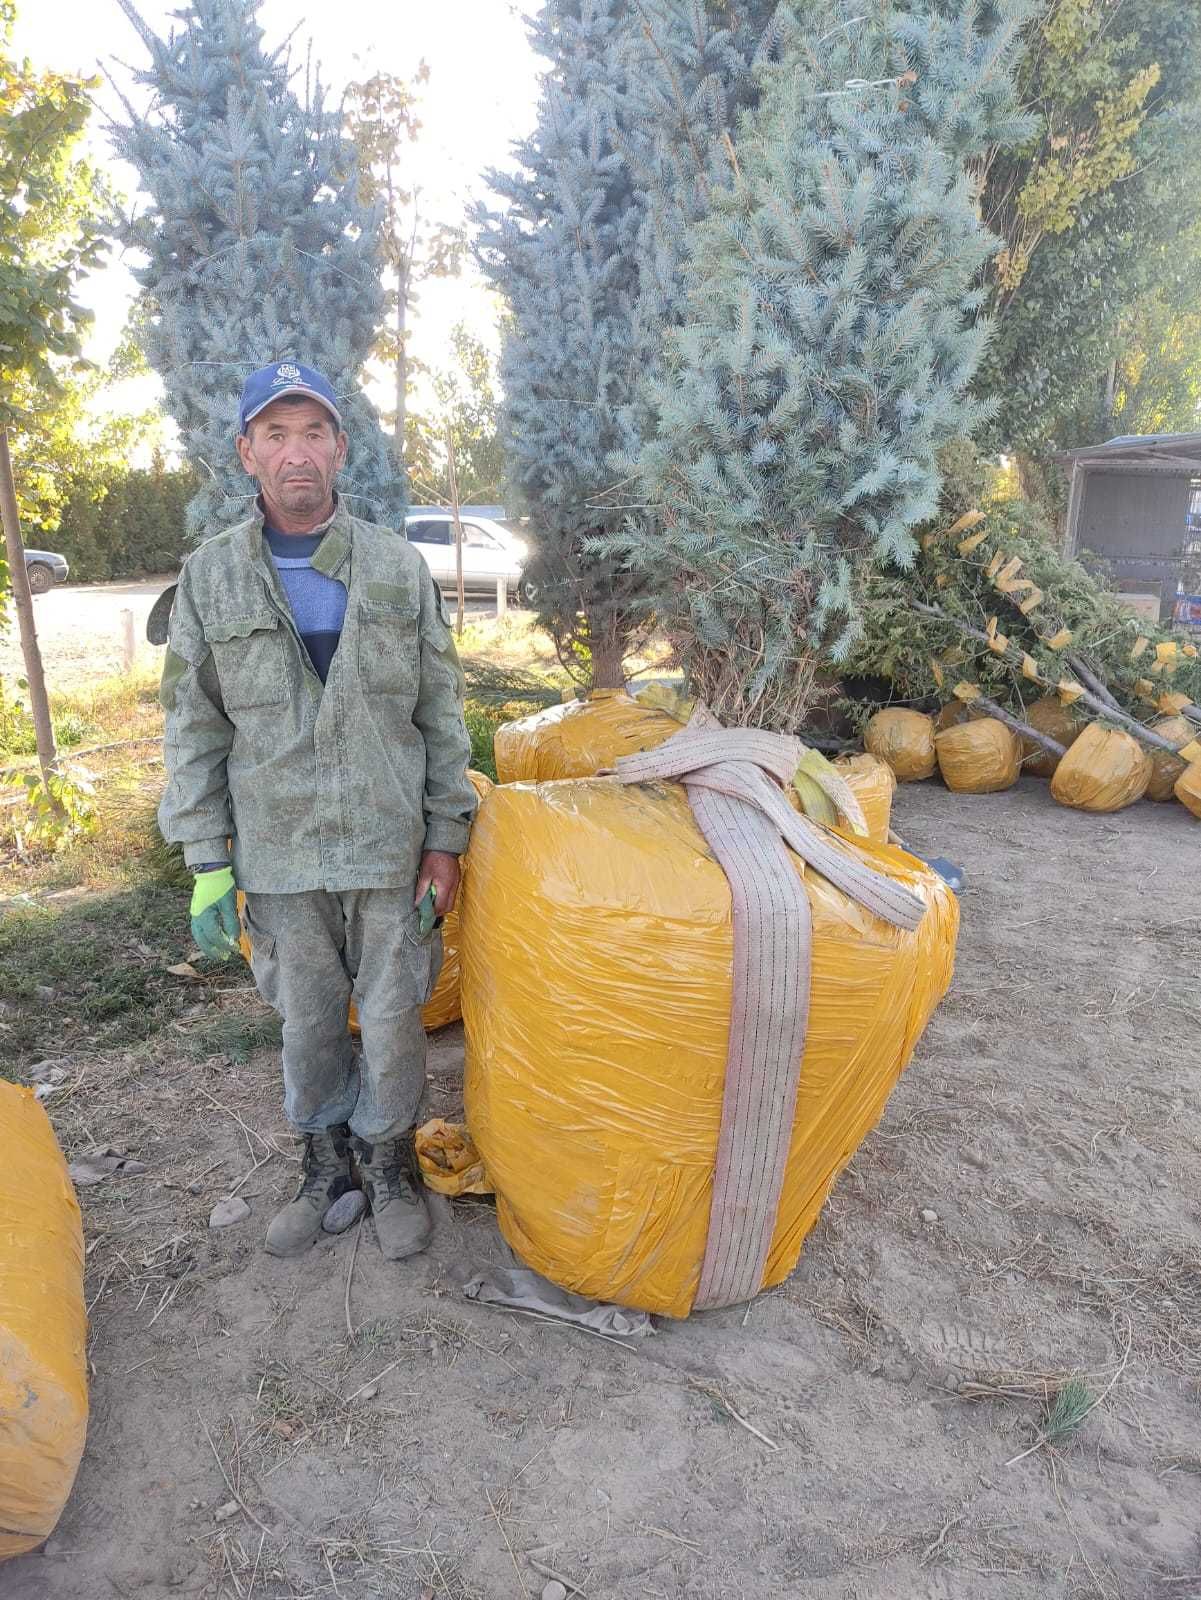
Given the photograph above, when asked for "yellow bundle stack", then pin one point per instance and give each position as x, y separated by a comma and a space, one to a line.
43, 1326
579, 738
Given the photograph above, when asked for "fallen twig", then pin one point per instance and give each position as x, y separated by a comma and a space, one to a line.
262, 1526
508, 1543
358, 1229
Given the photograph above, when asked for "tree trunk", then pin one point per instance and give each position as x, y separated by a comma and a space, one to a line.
608, 658
19, 579
453, 477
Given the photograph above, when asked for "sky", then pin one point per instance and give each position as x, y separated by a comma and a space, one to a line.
480, 97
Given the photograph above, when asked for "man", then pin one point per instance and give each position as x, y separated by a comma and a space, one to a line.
314, 720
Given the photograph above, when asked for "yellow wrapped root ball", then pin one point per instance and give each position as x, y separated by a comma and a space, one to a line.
578, 738
598, 958
43, 1326
1165, 768
1050, 716
1105, 770
1188, 788
979, 757
873, 785
905, 739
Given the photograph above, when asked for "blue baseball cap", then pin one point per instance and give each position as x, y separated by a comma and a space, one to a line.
288, 377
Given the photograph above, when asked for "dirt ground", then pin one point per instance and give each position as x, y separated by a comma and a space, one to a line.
863, 1432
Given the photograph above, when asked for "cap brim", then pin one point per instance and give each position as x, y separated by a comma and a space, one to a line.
298, 388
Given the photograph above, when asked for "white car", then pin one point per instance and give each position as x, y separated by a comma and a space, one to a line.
490, 552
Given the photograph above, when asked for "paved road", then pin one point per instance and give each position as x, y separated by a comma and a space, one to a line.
80, 630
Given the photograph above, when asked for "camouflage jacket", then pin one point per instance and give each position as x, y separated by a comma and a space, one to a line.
340, 786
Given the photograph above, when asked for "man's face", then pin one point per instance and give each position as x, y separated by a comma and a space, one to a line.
295, 451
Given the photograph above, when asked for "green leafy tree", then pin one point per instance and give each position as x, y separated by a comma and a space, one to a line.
1094, 210
466, 407
382, 120
51, 232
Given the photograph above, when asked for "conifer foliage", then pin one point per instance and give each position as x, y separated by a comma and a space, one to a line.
829, 340
259, 247
563, 253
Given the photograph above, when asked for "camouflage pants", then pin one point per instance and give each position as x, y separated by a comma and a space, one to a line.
311, 954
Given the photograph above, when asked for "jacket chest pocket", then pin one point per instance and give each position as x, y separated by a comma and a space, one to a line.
251, 656
388, 648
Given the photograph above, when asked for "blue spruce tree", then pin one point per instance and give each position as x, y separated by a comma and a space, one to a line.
830, 334
564, 256
259, 248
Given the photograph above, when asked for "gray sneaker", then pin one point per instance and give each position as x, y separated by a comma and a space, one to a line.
391, 1179
324, 1176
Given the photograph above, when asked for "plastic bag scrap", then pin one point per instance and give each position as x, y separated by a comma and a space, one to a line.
43, 1326
597, 987
666, 694
1105, 770
981, 757
905, 739
1188, 788
577, 739
1165, 768
520, 1288
449, 1161
443, 1005
1050, 716
872, 783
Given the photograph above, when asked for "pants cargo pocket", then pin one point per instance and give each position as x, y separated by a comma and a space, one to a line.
423, 960
264, 964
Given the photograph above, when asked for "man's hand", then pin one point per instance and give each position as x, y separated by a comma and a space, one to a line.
441, 869
214, 911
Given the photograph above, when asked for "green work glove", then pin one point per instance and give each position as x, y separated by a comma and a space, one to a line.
215, 925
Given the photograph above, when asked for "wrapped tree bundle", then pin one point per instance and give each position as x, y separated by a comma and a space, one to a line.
979, 757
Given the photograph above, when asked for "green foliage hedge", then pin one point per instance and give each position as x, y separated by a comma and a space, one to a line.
127, 525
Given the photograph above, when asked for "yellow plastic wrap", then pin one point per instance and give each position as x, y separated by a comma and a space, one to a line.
449, 1161
979, 757
1050, 716
1104, 770
873, 785
442, 1007
43, 1326
596, 997
577, 739
1165, 769
905, 739
1188, 788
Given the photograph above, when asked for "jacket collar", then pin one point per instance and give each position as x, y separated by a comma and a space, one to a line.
331, 554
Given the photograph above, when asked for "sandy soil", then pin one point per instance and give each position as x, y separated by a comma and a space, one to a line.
1050, 1120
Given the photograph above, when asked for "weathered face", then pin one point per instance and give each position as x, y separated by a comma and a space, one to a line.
294, 449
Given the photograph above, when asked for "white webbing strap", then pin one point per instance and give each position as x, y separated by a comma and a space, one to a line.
749, 825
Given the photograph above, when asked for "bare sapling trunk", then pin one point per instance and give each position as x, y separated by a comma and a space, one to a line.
23, 600
453, 484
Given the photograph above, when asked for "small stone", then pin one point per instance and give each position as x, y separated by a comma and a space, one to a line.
228, 1211
368, 1391
554, 1590
45, 992
345, 1211
929, 1215
229, 1509
974, 1158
